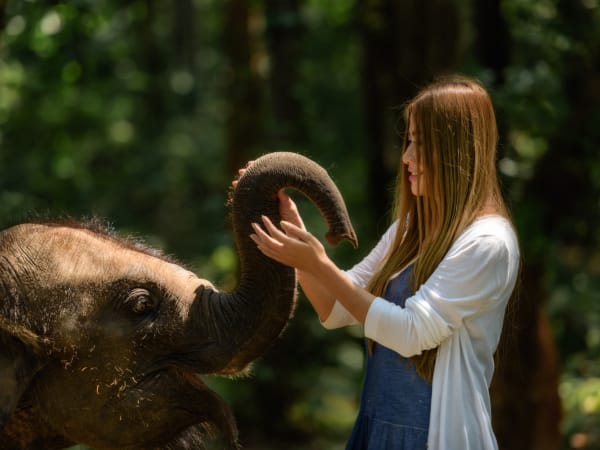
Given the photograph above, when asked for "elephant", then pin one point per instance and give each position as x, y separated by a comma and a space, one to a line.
103, 340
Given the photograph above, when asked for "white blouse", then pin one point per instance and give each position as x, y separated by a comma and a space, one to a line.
460, 310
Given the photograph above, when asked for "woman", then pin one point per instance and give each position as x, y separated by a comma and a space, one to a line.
433, 292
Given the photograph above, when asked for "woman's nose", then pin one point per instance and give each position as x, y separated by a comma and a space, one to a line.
408, 156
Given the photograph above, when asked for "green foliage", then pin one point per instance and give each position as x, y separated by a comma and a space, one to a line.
90, 127
581, 399
103, 112
551, 161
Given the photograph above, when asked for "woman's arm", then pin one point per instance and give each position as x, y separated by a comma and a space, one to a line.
470, 278
298, 248
318, 296
361, 273
474, 279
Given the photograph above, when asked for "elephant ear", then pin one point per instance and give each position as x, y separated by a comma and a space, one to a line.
21, 356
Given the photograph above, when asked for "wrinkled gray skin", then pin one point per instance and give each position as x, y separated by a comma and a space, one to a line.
101, 340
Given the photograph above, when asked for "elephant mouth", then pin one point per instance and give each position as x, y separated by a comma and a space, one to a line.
197, 415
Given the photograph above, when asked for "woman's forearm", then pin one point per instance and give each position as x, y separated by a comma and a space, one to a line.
338, 285
318, 296
333, 284
296, 247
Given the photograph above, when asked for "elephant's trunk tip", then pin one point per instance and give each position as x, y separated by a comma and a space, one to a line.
334, 238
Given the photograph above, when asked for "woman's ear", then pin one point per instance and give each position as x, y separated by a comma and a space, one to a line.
21, 356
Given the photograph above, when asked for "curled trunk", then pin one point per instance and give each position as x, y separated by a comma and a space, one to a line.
240, 325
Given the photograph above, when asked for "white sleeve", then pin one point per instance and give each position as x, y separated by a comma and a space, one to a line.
360, 274
470, 278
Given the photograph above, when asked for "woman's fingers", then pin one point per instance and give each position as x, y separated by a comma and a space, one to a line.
266, 244
284, 198
293, 246
241, 172
295, 231
274, 232
290, 230
264, 238
261, 246
288, 209
272, 238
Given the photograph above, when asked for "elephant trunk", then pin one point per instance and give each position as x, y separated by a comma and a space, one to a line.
242, 324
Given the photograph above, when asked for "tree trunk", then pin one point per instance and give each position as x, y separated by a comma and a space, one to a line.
492, 44
184, 40
152, 63
2, 15
525, 404
283, 33
528, 408
243, 93
406, 44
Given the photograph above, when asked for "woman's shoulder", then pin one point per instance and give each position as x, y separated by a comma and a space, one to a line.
490, 225
490, 233
487, 250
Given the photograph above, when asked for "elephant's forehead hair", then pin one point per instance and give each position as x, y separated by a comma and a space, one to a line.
81, 254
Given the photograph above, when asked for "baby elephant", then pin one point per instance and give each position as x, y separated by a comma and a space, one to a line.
102, 339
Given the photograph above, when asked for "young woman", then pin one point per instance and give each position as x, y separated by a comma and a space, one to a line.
432, 293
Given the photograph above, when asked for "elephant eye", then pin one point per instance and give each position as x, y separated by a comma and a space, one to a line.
140, 301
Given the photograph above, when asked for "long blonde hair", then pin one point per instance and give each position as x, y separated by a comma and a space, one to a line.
457, 139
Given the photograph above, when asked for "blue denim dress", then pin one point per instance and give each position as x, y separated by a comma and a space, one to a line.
395, 402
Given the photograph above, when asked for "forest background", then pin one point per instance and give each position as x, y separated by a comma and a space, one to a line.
141, 112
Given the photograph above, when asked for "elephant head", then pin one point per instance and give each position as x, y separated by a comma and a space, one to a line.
102, 339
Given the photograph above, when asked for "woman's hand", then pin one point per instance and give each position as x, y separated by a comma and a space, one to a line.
289, 211
294, 246
240, 173
298, 248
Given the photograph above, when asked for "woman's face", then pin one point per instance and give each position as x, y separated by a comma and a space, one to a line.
409, 158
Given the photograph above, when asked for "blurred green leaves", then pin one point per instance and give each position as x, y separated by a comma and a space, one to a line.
105, 110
